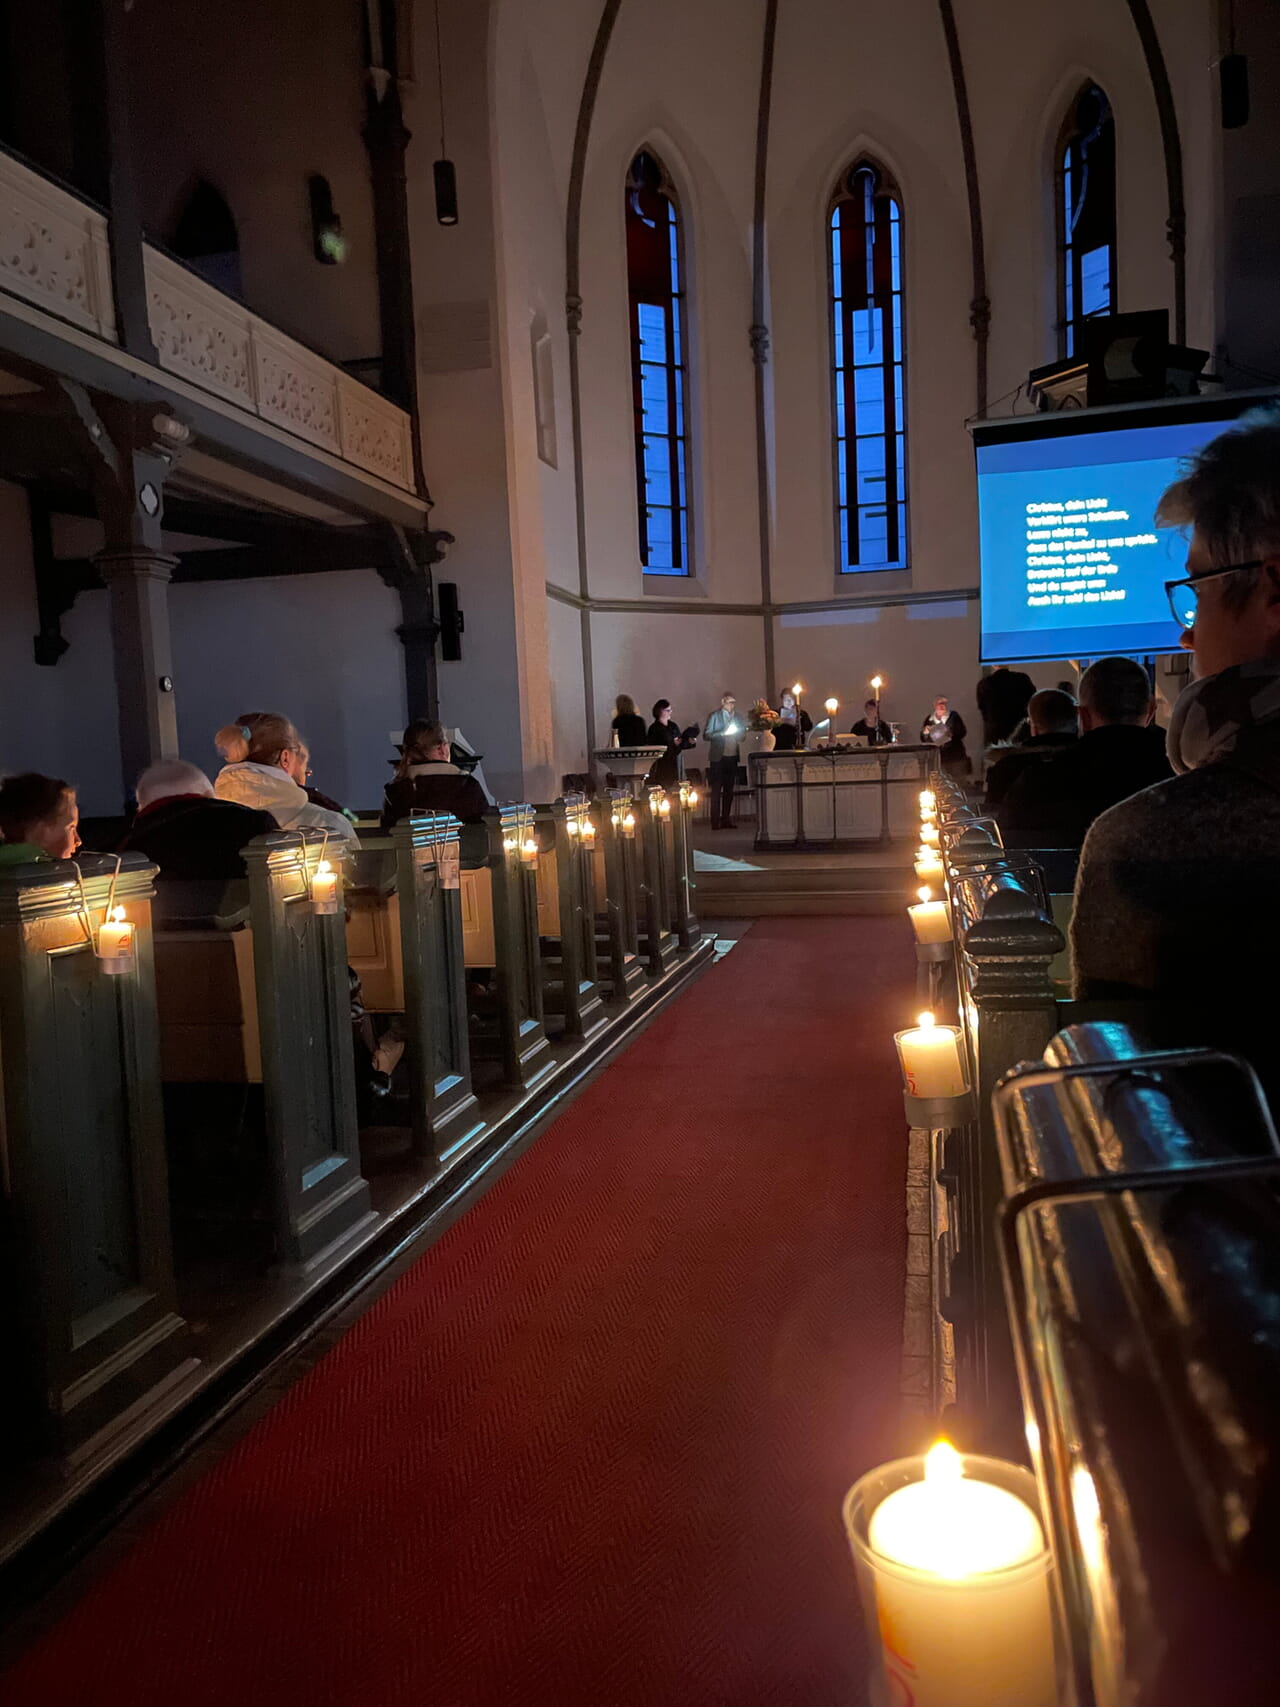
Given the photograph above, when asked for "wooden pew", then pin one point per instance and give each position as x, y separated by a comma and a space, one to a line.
567, 914
684, 920
92, 1329
300, 1000
518, 1037
657, 880
620, 969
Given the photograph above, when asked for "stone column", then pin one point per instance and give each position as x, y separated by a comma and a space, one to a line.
137, 579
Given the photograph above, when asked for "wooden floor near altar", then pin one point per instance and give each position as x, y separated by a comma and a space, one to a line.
736, 882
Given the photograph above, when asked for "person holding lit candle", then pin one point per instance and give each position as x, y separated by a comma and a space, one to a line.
723, 731
955, 1572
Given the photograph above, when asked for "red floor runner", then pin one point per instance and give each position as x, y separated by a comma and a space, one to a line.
590, 1450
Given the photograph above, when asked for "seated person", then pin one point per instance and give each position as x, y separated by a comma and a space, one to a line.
267, 766
1175, 896
1119, 753
1053, 723
871, 726
184, 830
794, 725
427, 780
39, 819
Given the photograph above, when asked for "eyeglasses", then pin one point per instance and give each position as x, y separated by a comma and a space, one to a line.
1184, 594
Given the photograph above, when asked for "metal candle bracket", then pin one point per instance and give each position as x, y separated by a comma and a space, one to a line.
939, 1114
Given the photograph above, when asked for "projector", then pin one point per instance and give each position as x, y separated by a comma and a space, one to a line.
1125, 358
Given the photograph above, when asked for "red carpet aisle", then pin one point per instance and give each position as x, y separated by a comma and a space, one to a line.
589, 1451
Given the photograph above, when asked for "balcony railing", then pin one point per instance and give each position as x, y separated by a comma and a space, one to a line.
55, 254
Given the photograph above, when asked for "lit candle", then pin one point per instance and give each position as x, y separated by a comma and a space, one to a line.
691, 800
324, 888
831, 706
664, 807
931, 1061
959, 1571
929, 833
877, 682
928, 803
928, 865
529, 851
115, 943
629, 825
588, 833
929, 920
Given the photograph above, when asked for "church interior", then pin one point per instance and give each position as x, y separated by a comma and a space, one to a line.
639, 805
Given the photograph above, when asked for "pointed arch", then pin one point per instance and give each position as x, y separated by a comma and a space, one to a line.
205, 235
658, 308
1085, 214
865, 251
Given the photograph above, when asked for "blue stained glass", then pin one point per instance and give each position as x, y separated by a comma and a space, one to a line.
860, 382
658, 371
1095, 281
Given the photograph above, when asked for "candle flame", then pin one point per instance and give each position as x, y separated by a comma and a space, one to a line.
117, 915
832, 705
924, 892
926, 1023
877, 683
942, 1463
324, 869
796, 689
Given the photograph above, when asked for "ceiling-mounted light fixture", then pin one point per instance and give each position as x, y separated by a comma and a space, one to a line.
446, 177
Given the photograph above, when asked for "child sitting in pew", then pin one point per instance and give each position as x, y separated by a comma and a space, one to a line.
39, 819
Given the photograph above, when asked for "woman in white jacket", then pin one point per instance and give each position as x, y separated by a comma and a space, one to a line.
266, 768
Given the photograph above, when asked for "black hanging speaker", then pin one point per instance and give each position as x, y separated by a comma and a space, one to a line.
446, 192
452, 621
1233, 90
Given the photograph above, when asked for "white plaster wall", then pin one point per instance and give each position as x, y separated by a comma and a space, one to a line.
690, 660
292, 103
320, 648
59, 719
564, 633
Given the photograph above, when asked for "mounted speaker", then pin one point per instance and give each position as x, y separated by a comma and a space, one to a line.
1233, 90
452, 621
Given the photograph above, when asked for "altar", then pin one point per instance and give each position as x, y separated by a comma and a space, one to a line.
815, 798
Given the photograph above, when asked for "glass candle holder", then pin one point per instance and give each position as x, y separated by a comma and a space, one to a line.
982, 1638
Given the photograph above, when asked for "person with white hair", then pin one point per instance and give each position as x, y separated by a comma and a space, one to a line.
181, 827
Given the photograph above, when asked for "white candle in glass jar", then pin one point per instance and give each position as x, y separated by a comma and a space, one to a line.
115, 942
929, 833
324, 888
930, 920
961, 1593
931, 1060
928, 865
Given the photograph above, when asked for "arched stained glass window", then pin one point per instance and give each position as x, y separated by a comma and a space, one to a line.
659, 373
868, 371
1086, 215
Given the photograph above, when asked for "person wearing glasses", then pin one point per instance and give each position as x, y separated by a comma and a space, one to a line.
1119, 752
266, 767
1175, 900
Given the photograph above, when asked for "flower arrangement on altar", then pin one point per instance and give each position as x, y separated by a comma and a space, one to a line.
762, 716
